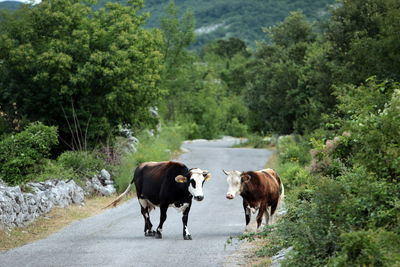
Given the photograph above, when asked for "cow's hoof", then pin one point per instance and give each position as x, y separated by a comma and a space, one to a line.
187, 237
158, 235
150, 233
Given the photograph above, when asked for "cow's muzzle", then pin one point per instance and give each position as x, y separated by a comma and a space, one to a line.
199, 198
229, 196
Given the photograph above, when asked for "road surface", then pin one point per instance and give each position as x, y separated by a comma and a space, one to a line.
115, 237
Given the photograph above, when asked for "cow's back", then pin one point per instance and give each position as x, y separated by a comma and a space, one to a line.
263, 186
156, 180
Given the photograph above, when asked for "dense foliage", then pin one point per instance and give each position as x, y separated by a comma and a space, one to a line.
197, 96
333, 86
342, 209
85, 71
21, 153
343, 203
338, 86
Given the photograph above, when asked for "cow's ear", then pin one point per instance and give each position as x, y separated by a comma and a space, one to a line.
246, 178
207, 175
180, 179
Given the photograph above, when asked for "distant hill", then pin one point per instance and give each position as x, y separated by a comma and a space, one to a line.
11, 5
219, 19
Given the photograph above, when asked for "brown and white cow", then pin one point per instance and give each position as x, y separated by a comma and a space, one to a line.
166, 184
261, 190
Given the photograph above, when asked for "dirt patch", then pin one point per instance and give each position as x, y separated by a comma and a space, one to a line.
245, 256
55, 220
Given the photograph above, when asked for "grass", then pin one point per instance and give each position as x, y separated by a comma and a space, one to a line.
257, 141
55, 220
163, 147
272, 160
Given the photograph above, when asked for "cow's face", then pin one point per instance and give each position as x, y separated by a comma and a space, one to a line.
196, 181
234, 183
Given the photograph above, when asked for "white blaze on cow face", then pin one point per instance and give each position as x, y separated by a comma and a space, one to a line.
197, 178
234, 183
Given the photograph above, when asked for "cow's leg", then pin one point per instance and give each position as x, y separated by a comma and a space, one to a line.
247, 214
163, 217
260, 214
273, 209
267, 215
147, 223
185, 217
146, 215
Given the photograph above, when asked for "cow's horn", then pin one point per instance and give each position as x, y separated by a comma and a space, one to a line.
225, 172
206, 174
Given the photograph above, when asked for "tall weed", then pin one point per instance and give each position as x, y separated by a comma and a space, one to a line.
151, 148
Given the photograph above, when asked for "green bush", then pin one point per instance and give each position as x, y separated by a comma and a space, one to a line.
323, 214
368, 248
370, 201
83, 164
190, 130
332, 157
374, 123
236, 129
312, 224
52, 169
293, 175
358, 249
257, 141
293, 149
23, 153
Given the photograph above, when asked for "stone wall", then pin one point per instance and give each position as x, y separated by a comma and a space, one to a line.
19, 208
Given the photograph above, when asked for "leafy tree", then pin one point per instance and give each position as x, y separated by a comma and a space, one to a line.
229, 58
372, 117
85, 71
293, 30
227, 48
274, 94
178, 34
364, 38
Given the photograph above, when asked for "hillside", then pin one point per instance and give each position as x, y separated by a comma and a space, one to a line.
11, 5
218, 19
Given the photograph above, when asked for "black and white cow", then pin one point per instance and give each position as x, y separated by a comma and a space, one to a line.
166, 184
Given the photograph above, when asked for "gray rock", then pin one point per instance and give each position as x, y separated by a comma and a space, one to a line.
20, 209
276, 259
105, 174
100, 184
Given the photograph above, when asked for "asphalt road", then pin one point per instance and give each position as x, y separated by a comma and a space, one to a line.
115, 237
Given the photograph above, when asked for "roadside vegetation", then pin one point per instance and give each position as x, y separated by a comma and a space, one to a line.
327, 94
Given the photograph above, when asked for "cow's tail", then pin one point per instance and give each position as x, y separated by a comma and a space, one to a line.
282, 193
119, 198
